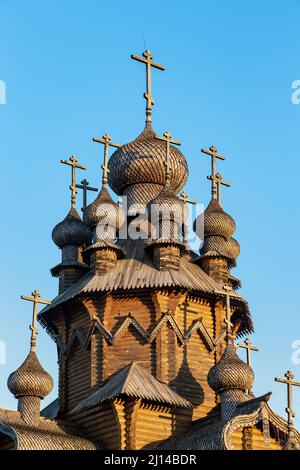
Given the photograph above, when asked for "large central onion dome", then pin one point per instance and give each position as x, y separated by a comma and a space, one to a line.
137, 169
30, 379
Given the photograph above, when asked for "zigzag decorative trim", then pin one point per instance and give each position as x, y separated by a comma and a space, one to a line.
167, 318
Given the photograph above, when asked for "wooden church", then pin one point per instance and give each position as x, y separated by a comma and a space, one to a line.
145, 328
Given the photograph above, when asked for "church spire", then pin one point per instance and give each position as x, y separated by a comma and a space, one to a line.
147, 60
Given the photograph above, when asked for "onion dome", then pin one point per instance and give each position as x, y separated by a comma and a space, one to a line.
227, 247
230, 372
104, 210
71, 231
30, 379
218, 230
137, 169
217, 221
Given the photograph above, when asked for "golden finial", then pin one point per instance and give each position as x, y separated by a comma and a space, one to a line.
168, 139
85, 188
218, 180
290, 384
33, 327
212, 152
106, 141
73, 163
147, 60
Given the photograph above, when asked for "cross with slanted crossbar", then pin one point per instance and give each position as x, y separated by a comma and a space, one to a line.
36, 300
290, 383
184, 198
85, 188
249, 347
168, 139
106, 141
212, 152
147, 60
218, 179
227, 290
73, 162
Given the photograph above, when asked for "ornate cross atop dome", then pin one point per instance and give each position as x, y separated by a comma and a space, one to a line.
36, 300
249, 347
73, 162
290, 384
212, 152
168, 139
147, 60
85, 188
107, 143
218, 180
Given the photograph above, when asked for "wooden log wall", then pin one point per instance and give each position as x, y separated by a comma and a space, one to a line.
239, 440
78, 376
101, 424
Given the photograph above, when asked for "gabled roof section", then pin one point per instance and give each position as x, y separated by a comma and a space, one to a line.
133, 381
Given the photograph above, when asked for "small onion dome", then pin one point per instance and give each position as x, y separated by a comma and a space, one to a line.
71, 231
143, 161
227, 247
217, 221
104, 209
230, 372
30, 379
167, 206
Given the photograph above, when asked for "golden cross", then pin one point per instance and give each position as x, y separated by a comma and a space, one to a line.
147, 60
168, 139
290, 383
85, 188
184, 198
107, 143
212, 152
218, 179
36, 300
73, 163
248, 346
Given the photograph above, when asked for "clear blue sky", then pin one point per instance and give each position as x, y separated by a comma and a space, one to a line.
67, 68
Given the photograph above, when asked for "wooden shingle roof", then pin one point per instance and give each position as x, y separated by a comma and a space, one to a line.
133, 381
47, 435
137, 271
